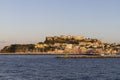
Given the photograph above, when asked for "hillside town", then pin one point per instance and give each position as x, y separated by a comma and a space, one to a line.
64, 44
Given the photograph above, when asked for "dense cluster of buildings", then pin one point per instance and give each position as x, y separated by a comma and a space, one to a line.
78, 45
66, 44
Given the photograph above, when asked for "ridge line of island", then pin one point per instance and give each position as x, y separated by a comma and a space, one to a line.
65, 44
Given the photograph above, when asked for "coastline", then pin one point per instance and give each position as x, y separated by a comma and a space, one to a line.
34, 53
63, 44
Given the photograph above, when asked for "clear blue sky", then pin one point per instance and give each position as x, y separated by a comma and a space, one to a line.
30, 21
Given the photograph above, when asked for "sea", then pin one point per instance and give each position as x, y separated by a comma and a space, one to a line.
48, 67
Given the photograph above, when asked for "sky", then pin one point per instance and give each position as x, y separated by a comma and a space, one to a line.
30, 21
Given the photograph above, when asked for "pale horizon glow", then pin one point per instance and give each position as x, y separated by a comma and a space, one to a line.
30, 21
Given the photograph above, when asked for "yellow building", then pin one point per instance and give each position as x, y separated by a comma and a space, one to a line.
83, 49
40, 45
78, 37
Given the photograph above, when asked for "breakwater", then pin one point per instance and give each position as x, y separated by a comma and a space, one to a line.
73, 56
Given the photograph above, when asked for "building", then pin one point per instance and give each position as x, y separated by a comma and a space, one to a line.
78, 37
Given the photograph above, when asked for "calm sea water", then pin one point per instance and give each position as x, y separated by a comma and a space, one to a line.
47, 67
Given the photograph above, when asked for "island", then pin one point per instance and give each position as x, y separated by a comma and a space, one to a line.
64, 44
